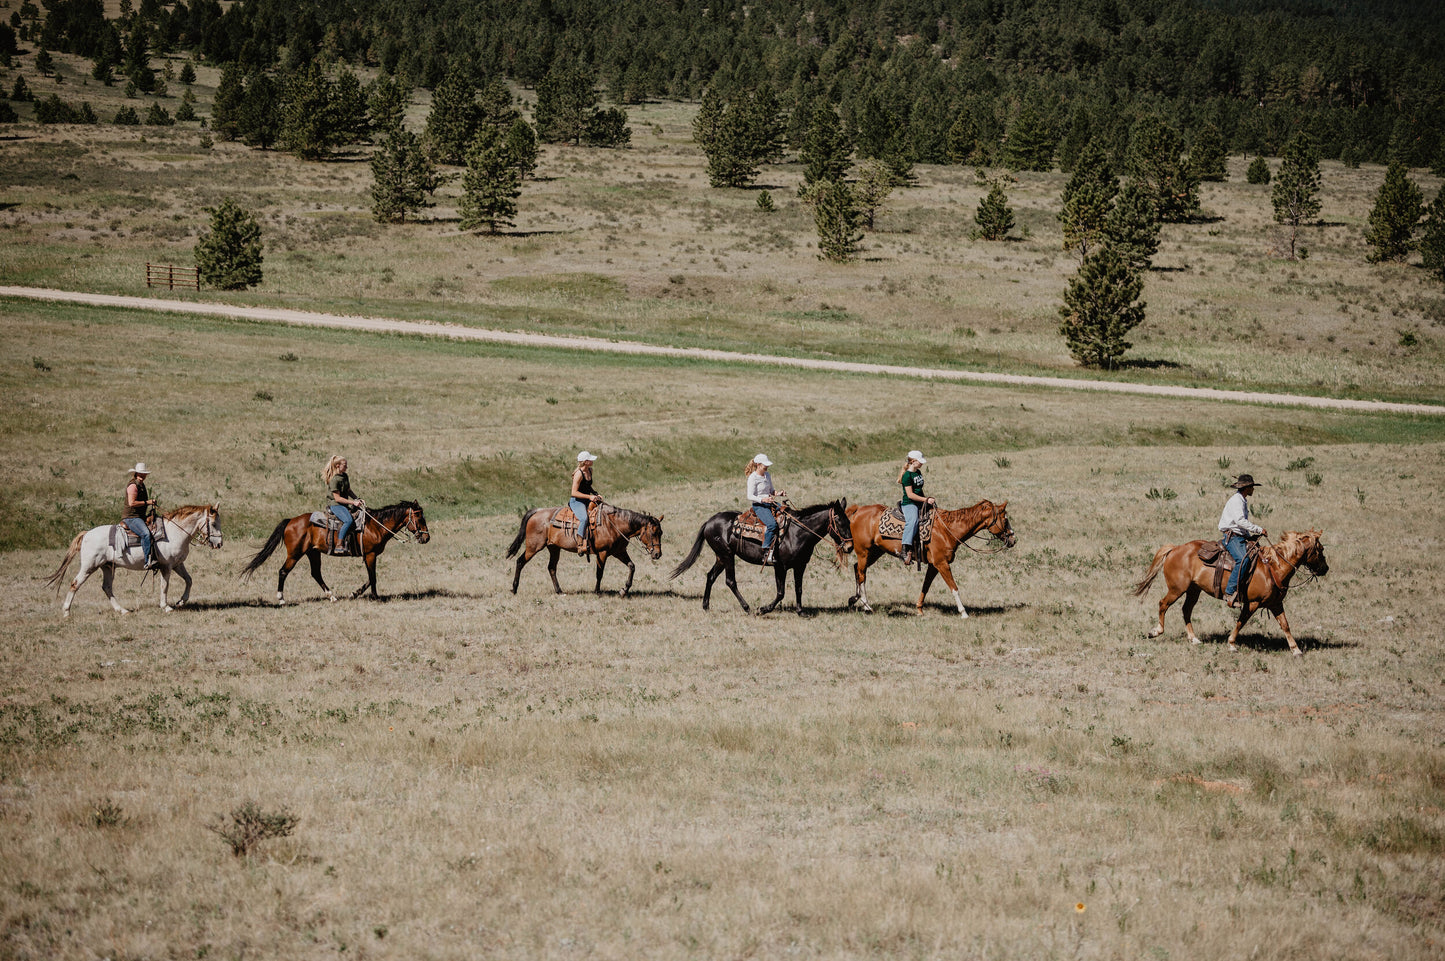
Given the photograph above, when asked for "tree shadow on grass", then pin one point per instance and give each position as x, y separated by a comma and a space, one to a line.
1144, 363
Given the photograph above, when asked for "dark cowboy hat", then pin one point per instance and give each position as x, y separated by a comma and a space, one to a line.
1245, 480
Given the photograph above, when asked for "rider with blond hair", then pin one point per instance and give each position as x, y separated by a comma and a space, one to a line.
583, 495
340, 500
763, 498
911, 479
137, 499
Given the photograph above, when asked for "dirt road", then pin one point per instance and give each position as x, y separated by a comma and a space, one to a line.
522, 338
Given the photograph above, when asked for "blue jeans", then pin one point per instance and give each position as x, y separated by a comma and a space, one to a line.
910, 522
579, 507
1236, 545
765, 514
139, 529
348, 523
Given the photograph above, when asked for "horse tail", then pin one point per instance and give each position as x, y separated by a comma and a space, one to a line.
1160, 556
272, 543
521, 537
691, 558
58, 577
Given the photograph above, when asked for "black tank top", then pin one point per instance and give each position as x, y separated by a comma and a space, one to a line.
584, 486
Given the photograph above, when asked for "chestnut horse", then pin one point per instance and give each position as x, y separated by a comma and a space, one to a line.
303, 537
1186, 574
615, 526
950, 529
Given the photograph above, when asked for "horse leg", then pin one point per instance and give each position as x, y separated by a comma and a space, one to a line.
314, 556
527, 554
780, 574
286, 566
1277, 609
185, 576
1171, 594
712, 575
626, 558
80, 578
860, 576
1245, 611
555, 552
370, 560
107, 584
928, 577
798, 588
1191, 595
730, 575
165, 580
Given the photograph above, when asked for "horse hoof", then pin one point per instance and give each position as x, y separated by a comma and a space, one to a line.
1154, 633
1234, 649
962, 614
167, 608
1298, 653
1195, 640
866, 609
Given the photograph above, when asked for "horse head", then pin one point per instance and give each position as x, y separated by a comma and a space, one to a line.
999, 526
213, 525
416, 521
651, 535
1313, 558
840, 526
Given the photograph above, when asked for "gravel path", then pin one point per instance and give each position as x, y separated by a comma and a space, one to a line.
457, 332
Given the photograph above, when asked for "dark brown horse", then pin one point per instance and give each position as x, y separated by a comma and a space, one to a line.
303, 537
950, 529
1186, 574
615, 527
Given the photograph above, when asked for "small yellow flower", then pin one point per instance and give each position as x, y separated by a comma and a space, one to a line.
1079, 908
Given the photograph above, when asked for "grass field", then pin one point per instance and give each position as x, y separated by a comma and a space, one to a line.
478, 774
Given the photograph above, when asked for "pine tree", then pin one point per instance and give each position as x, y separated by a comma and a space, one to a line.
995, 218
1132, 228
309, 126
491, 185
186, 112
1296, 191
1207, 155
1432, 240
768, 125
708, 119
875, 183
229, 253
385, 105
7, 113
455, 119
126, 117
348, 109
258, 119
1258, 172
522, 142
1397, 211
403, 177
226, 107
608, 128
1073, 144
137, 64
20, 92
566, 100
1156, 157
1031, 142
825, 150
188, 73
1087, 201
86, 114
44, 62
731, 151
158, 116
836, 215
962, 142
495, 107
1101, 305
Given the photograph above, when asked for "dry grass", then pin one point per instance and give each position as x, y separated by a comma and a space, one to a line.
535, 776
634, 244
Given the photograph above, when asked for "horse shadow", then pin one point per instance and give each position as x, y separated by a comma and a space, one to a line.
1263, 642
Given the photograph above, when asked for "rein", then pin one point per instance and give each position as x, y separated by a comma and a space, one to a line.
984, 528
401, 532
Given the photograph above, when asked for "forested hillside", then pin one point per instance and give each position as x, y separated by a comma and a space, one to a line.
1366, 80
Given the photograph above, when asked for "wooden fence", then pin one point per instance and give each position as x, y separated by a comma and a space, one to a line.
171, 277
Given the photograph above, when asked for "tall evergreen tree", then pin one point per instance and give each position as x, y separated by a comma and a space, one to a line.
188, 73
403, 177
229, 254
44, 62
1296, 191
1074, 142
1031, 142
348, 109
836, 215
1087, 201
1395, 216
137, 64
226, 107
875, 183
258, 119
522, 142
962, 142
491, 185
309, 126
732, 154
1156, 157
995, 218
385, 105
769, 125
455, 119
1207, 155
1432, 240
1101, 306
1258, 172
1132, 228
566, 100
825, 151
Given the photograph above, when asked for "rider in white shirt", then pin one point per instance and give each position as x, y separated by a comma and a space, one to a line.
1237, 530
762, 497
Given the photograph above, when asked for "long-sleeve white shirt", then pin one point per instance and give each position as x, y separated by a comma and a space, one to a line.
760, 487
1236, 517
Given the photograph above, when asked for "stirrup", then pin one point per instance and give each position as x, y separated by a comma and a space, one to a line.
768, 559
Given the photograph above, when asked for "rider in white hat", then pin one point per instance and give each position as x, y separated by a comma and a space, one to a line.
583, 494
763, 497
137, 499
911, 479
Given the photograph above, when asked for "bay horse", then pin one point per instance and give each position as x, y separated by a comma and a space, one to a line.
1184, 573
792, 550
950, 529
104, 547
303, 537
615, 527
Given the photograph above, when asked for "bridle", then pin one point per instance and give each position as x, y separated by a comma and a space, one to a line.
213, 537
845, 542
409, 526
988, 528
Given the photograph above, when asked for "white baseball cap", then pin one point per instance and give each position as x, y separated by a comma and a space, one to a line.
918, 456
762, 459
585, 455
140, 468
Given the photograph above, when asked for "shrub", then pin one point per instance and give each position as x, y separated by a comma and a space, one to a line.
1258, 172
126, 117
249, 826
995, 218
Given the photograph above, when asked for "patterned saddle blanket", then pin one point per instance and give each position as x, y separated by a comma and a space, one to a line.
750, 527
890, 525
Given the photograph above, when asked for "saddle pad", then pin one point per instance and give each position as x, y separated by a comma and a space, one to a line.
326, 519
749, 527
565, 519
1214, 554
158, 533
890, 525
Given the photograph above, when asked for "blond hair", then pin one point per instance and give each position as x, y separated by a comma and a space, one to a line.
332, 468
752, 468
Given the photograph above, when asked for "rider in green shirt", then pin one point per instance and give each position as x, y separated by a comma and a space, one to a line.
911, 480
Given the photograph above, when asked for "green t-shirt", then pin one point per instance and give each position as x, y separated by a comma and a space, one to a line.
912, 480
340, 484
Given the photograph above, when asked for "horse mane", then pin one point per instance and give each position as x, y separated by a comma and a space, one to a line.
186, 512
397, 508
813, 509
630, 516
962, 510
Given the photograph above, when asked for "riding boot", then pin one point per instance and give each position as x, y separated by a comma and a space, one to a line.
768, 557
906, 555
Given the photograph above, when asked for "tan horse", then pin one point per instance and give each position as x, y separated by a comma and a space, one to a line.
615, 526
950, 529
1186, 574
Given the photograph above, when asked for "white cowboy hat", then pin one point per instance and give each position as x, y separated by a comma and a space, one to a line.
585, 455
918, 456
763, 459
140, 468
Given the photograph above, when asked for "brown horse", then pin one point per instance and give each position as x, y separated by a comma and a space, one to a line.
303, 537
1186, 574
950, 529
615, 526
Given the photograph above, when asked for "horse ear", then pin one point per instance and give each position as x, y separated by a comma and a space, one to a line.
843, 503
1003, 505
660, 517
